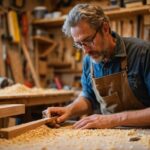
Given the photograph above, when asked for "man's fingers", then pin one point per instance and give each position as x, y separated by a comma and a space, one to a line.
81, 123
54, 111
61, 119
87, 126
46, 114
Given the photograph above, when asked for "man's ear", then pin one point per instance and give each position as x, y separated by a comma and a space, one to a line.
106, 27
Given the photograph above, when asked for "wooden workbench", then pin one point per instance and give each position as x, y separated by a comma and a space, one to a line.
56, 96
66, 138
19, 94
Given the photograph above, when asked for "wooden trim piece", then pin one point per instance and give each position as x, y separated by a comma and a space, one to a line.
28, 58
35, 101
11, 110
19, 129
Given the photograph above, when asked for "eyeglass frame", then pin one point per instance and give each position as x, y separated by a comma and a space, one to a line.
88, 43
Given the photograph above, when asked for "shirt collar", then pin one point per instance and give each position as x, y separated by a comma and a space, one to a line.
120, 47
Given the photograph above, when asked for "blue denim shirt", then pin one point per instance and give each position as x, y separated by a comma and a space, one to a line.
138, 60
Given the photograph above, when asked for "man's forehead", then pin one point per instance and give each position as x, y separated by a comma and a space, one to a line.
81, 28
81, 35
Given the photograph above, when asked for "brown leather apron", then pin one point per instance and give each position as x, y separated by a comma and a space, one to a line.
114, 93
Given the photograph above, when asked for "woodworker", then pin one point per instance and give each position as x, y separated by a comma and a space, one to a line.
116, 74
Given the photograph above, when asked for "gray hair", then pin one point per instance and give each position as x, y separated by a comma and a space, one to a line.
93, 14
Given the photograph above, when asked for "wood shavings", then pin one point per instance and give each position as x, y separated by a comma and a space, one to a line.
44, 138
22, 90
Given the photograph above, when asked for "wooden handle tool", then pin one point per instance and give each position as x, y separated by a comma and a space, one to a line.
14, 131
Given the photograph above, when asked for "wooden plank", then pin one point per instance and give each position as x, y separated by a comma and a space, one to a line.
27, 56
16, 63
36, 94
2, 47
19, 129
11, 110
35, 101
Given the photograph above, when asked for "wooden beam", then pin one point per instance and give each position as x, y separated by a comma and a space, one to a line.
11, 110
28, 58
19, 129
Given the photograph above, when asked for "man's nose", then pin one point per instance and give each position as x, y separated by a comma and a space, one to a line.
86, 49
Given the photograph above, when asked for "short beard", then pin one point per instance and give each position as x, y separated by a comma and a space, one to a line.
102, 56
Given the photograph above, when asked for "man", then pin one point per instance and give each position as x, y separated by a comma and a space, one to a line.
116, 74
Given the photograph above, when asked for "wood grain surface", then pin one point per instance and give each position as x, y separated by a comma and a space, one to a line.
67, 138
7, 110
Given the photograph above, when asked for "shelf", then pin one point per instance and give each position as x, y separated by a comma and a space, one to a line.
119, 13
42, 40
68, 71
59, 65
112, 14
49, 22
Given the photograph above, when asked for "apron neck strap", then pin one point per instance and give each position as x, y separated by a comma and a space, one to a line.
124, 64
91, 68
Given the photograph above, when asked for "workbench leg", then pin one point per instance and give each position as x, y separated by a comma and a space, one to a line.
7, 122
27, 116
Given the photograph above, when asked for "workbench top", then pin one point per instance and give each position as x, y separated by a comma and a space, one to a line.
20, 94
66, 138
19, 91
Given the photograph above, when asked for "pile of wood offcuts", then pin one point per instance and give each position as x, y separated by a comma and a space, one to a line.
66, 138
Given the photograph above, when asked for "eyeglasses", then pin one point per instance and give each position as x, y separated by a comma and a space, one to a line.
88, 42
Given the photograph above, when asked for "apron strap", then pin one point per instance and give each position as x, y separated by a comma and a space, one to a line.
124, 64
91, 68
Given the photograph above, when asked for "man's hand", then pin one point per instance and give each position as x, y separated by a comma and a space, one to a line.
95, 121
63, 113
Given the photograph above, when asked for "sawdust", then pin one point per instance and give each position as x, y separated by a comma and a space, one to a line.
20, 89
66, 138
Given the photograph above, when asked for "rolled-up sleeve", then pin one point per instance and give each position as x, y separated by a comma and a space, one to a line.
87, 90
146, 68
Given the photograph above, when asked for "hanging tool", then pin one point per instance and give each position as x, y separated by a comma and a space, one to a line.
5, 38
13, 49
13, 26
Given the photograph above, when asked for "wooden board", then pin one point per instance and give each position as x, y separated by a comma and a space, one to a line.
28, 58
11, 110
46, 93
59, 96
19, 129
16, 63
2, 61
